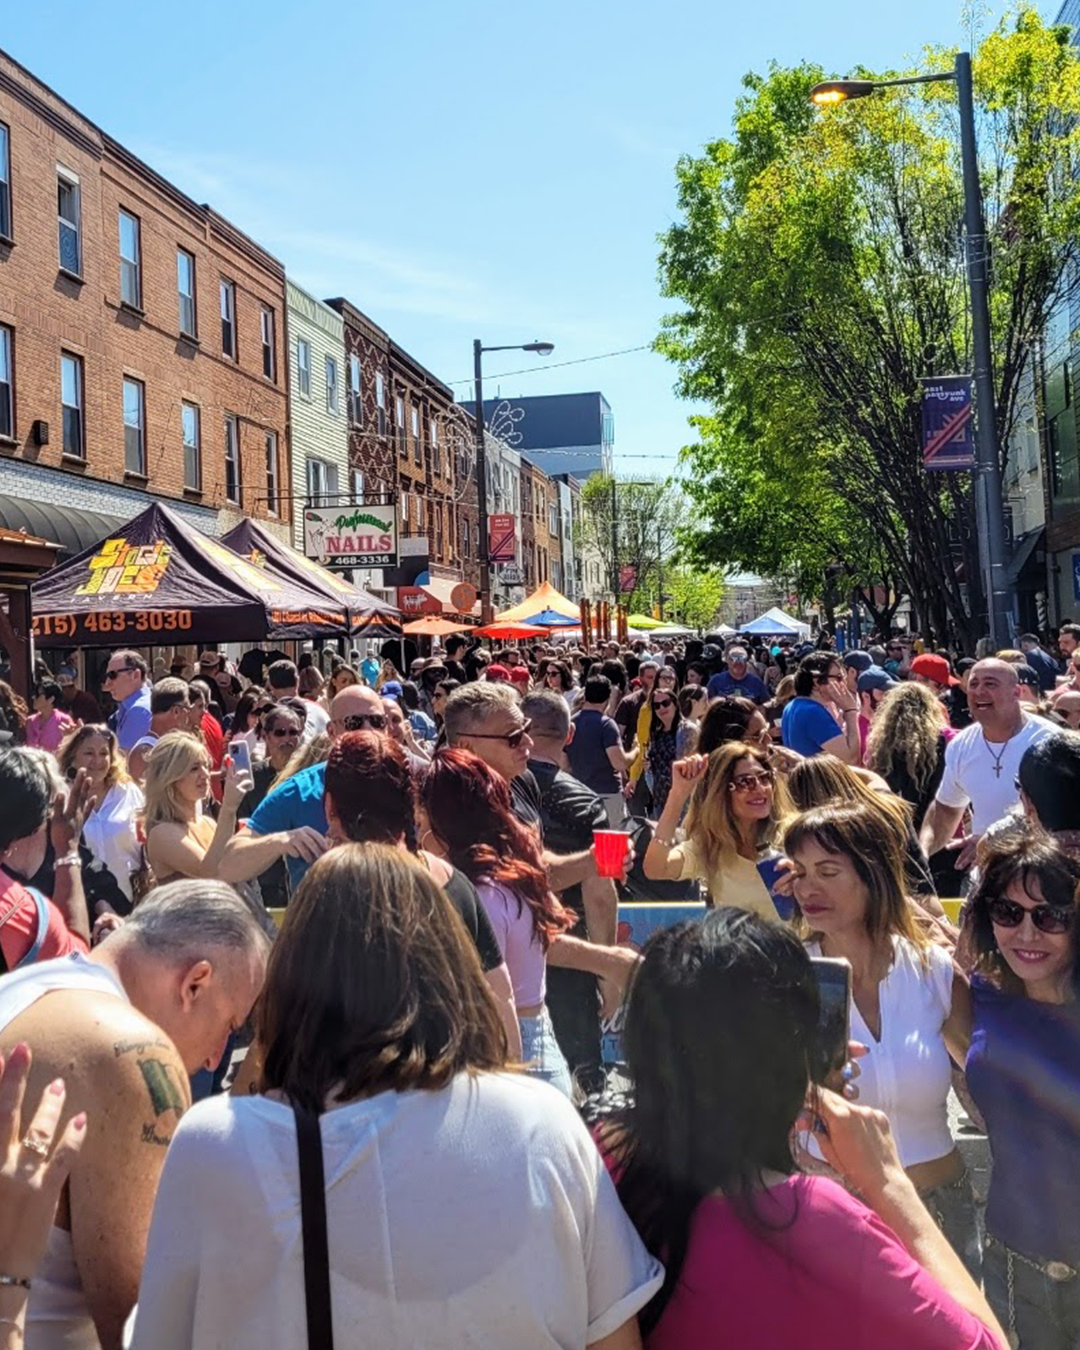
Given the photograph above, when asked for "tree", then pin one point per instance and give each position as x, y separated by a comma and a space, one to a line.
648, 518
820, 260
694, 595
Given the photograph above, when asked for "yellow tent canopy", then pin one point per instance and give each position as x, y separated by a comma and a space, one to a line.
545, 600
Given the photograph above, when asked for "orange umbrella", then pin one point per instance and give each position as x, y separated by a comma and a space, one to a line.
431, 625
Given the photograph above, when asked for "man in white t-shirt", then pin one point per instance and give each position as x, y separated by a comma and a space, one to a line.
982, 762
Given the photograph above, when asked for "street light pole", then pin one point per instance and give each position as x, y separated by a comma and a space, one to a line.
541, 349
989, 502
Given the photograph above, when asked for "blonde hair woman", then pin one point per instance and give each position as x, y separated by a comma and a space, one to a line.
110, 831
736, 806
182, 839
907, 745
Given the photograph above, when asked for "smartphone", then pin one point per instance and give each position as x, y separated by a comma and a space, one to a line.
769, 872
240, 753
834, 1021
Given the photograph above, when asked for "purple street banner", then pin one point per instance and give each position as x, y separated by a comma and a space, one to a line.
948, 440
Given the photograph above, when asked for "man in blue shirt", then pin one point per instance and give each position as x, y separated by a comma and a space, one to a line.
738, 680
1041, 662
125, 679
290, 822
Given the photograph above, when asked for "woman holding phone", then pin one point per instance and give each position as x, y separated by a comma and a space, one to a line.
758, 1254
1024, 1074
182, 838
911, 1005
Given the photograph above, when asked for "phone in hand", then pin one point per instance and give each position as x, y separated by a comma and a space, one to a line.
833, 978
240, 754
770, 874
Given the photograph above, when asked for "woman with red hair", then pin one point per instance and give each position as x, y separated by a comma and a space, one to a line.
465, 816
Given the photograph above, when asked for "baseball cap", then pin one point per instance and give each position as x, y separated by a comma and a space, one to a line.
934, 668
497, 671
875, 678
859, 661
519, 674
391, 689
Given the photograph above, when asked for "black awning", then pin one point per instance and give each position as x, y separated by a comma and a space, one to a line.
1022, 554
65, 525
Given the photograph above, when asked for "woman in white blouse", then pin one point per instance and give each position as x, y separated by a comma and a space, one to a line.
111, 832
911, 1005
465, 1205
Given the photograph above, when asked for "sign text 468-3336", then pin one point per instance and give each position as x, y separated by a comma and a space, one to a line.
351, 536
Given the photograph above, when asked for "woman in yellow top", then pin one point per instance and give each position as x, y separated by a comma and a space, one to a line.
667, 679
737, 805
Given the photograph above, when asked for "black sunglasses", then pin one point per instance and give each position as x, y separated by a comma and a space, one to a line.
1046, 918
512, 738
284, 731
362, 721
663, 703
112, 674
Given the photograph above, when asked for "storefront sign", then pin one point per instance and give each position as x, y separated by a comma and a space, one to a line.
414, 600
351, 536
463, 597
120, 568
501, 545
947, 434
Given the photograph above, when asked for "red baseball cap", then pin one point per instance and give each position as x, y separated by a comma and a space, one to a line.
934, 668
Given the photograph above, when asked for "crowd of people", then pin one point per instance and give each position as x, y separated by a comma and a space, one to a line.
356, 910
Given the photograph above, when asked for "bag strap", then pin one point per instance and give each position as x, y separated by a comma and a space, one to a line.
320, 1324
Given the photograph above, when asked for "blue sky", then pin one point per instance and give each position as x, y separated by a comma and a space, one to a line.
480, 168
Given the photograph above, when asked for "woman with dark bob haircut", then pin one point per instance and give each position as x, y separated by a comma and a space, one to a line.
757, 1253
465, 1205
1023, 1071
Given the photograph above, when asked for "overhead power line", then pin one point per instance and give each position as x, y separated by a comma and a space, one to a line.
556, 365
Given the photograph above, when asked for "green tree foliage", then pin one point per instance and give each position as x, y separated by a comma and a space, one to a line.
694, 595
648, 519
820, 260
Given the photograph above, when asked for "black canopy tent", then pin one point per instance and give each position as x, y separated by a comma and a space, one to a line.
368, 616
157, 580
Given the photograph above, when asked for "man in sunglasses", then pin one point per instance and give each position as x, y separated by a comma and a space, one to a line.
291, 822
126, 681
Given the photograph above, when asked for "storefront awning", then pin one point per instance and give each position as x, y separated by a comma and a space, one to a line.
1022, 554
72, 529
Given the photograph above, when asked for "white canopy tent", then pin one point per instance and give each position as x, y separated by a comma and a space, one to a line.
785, 623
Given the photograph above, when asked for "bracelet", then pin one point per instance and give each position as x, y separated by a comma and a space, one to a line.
68, 860
667, 843
13, 1282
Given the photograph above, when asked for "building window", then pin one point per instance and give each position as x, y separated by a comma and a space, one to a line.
185, 289
271, 473
266, 324
463, 538
321, 481
190, 422
356, 404
71, 400
380, 402
135, 427
414, 417
553, 518
130, 261
303, 366
436, 510
233, 483
358, 485
405, 512
436, 461
228, 319
331, 385
7, 401
399, 418
67, 210
5, 182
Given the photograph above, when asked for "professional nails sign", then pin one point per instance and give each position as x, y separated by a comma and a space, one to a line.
351, 536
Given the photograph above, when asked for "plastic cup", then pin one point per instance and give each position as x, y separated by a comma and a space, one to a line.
610, 849
952, 910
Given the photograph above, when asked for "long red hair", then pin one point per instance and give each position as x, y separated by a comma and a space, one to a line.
469, 807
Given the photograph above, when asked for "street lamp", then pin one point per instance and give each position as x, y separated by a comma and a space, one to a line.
989, 505
540, 349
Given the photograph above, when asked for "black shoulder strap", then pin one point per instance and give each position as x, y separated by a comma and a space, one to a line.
320, 1326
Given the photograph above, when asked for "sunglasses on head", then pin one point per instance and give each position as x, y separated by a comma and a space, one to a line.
512, 738
1007, 913
362, 721
746, 782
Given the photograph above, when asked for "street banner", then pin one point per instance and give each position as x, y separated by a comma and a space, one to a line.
351, 536
948, 440
501, 543
627, 578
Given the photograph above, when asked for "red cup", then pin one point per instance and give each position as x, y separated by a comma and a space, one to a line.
610, 848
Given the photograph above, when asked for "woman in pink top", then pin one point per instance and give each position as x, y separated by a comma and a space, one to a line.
466, 817
758, 1254
48, 726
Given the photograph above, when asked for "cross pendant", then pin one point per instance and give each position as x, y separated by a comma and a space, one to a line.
997, 770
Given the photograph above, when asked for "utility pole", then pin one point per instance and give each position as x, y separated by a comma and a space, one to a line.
614, 540
660, 571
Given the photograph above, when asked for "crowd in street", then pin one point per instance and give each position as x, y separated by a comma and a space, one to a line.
361, 911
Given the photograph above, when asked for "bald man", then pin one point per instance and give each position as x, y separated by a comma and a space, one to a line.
982, 762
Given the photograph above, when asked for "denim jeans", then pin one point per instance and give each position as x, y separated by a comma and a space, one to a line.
952, 1208
1045, 1313
541, 1055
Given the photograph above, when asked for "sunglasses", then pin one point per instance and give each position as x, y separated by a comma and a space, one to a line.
361, 721
1046, 918
112, 674
512, 738
746, 782
281, 732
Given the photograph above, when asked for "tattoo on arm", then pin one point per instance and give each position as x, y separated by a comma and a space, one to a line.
167, 1097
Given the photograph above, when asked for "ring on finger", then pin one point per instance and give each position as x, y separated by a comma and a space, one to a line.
33, 1144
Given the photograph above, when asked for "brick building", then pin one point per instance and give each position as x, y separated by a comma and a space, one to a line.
140, 338
531, 488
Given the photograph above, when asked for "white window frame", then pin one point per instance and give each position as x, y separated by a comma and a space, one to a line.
7, 381
273, 489
267, 333
405, 519
436, 455
303, 367
380, 402
66, 179
333, 395
414, 427
357, 477
356, 399
321, 480
140, 387
130, 267
192, 481
227, 306
232, 457
182, 296
77, 408
6, 226
402, 430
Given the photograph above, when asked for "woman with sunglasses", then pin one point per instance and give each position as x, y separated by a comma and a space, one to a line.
669, 739
910, 1003
824, 714
281, 730
558, 678
732, 718
736, 806
1023, 1071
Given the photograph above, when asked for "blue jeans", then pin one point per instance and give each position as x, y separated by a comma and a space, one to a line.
952, 1207
541, 1055
1044, 1313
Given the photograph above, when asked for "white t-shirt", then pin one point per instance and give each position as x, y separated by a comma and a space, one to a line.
111, 832
316, 722
477, 1216
971, 771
